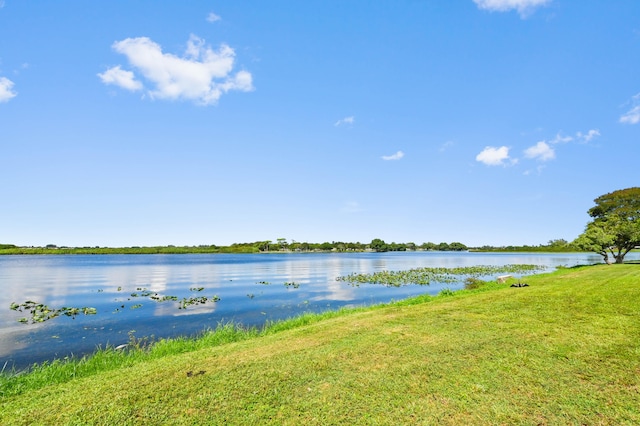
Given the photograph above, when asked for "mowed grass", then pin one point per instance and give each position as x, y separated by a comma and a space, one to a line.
565, 350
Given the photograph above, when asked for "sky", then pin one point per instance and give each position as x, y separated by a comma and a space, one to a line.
485, 122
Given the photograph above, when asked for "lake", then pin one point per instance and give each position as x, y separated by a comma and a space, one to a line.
126, 291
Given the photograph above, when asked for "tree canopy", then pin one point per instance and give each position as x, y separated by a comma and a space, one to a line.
615, 228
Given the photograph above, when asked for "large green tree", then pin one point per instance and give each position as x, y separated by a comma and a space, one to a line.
615, 228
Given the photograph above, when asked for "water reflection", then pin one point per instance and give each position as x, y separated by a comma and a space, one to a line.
252, 289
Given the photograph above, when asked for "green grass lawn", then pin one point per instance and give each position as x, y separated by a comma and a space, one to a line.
565, 350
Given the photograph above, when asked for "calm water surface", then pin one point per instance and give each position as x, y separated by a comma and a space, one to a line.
106, 283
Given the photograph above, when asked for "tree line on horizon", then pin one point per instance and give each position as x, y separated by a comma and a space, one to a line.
613, 233
282, 245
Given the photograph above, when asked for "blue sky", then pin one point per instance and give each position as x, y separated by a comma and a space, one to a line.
212, 122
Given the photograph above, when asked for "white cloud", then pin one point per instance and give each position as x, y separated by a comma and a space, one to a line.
202, 75
120, 77
524, 7
492, 156
6, 89
541, 151
587, 137
561, 139
212, 17
633, 115
398, 155
346, 120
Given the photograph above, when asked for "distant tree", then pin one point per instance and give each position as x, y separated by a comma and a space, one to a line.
282, 242
615, 228
294, 245
428, 246
378, 245
558, 243
457, 246
354, 246
263, 245
396, 247
443, 247
326, 246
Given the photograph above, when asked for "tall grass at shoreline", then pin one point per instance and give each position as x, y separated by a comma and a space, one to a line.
144, 349
565, 350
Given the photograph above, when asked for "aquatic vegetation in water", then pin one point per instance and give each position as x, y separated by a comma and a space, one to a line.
159, 298
41, 312
143, 293
287, 284
421, 276
185, 302
424, 276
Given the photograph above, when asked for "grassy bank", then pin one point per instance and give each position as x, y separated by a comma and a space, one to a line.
565, 350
